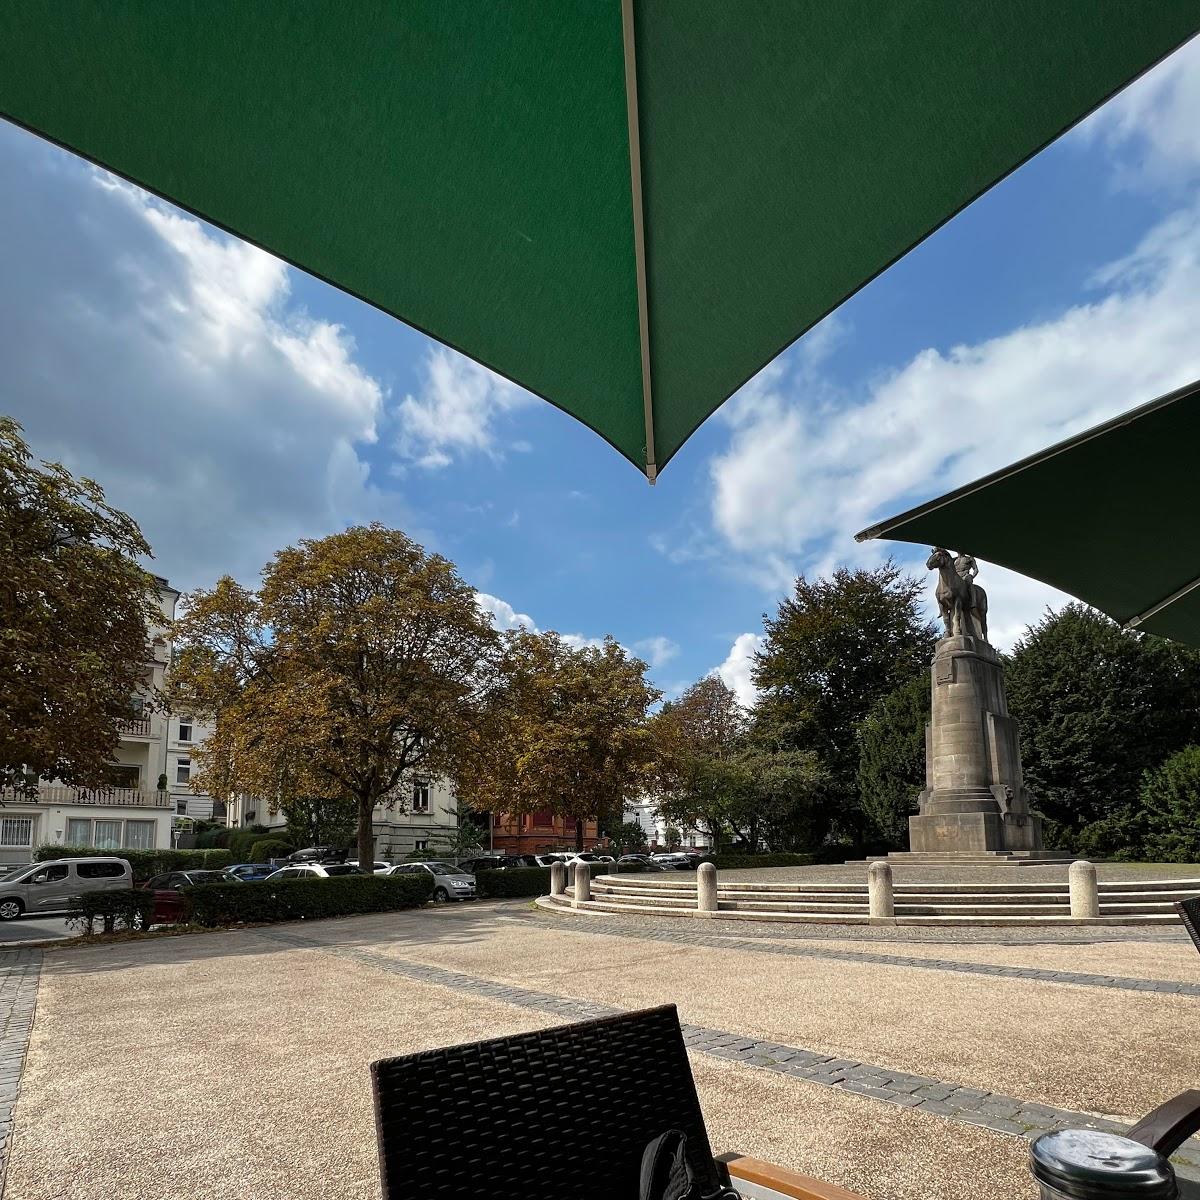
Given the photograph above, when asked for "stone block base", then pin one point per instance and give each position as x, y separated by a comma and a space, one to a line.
945, 832
974, 832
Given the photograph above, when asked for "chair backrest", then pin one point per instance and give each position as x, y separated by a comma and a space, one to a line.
562, 1112
1189, 914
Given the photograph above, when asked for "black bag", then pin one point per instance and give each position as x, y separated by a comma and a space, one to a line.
667, 1174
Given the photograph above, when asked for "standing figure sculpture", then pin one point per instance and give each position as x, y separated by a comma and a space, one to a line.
961, 601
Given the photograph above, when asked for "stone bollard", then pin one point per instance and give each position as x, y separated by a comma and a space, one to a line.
558, 878
1085, 898
706, 888
880, 900
583, 884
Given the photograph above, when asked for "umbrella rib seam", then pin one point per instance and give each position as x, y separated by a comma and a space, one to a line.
639, 225
1154, 610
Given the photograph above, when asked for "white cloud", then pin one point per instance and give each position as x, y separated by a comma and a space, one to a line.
456, 412
734, 672
503, 613
800, 478
657, 651
1153, 127
170, 362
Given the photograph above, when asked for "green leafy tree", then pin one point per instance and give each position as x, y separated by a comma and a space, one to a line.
673, 836
782, 794
1170, 799
629, 837
360, 665
891, 760
75, 611
565, 730
697, 740
468, 836
321, 820
836, 647
1098, 706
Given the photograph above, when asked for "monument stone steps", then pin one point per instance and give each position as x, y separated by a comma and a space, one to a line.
991, 919
937, 903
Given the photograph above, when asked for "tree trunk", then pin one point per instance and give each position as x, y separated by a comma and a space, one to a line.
578, 836
366, 834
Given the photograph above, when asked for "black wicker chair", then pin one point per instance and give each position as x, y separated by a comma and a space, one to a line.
1189, 914
563, 1112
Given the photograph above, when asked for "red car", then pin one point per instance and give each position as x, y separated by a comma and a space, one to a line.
168, 902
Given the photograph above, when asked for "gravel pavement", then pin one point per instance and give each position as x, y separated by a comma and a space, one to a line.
254, 1047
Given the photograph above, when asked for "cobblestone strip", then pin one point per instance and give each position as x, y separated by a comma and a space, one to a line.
598, 925
18, 995
1005, 1114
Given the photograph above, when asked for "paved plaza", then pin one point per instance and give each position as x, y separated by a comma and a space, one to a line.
236, 1063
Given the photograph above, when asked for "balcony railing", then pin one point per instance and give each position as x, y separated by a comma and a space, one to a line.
135, 726
114, 797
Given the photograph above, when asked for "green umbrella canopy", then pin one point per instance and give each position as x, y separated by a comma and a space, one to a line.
467, 165
1110, 516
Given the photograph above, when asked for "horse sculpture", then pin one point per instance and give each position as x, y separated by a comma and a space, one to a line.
963, 604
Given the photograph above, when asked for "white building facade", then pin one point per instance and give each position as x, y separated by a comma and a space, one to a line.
645, 813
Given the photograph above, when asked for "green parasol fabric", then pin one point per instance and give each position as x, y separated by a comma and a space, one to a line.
1109, 516
467, 165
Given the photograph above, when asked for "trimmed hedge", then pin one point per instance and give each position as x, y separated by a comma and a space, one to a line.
744, 862
517, 881
145, 863
265, 849
120, 908
300, 899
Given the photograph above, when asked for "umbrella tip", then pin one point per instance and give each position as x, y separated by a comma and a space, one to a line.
651, 473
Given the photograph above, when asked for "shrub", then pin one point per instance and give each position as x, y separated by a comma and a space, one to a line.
1170, 799
145, 863
120, 908
299, 899
520, 881
264, 849
744, 862
242, 840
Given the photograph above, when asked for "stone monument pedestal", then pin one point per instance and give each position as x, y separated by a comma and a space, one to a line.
974, 799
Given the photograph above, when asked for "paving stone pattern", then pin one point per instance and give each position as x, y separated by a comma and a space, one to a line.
685, 937
18, 996
1006, 1114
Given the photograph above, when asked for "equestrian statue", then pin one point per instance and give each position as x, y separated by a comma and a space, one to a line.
961, 601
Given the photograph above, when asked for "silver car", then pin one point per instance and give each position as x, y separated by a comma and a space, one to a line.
449, 882
50, 887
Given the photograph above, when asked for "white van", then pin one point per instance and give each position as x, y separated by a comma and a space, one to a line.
49, 887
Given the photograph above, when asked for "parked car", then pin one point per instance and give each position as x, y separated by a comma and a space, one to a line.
677, 862
251, 872
318, 854
381, 867
50, 887
641, 860
167, 889
450, 882
489, 862
313, 870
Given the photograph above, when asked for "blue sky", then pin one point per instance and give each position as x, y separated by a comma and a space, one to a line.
233, 404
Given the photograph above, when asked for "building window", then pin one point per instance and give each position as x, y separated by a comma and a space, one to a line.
108, 835
139, 835
183, 770
16, 831
421, 844
181, 806
79, 832
185, 729
220, 810
420, 798
124, 775
544, 819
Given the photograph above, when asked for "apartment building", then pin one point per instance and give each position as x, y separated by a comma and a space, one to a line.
149, 783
